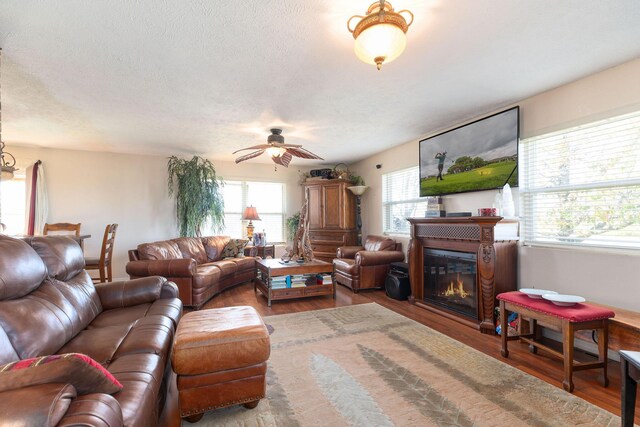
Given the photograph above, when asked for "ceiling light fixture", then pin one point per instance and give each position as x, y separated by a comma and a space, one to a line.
381, 34
7, 161
280, 153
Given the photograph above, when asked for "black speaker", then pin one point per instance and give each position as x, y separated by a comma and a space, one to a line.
397, 283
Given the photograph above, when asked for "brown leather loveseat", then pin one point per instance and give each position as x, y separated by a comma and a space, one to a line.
50, 306
195, 264
366, 267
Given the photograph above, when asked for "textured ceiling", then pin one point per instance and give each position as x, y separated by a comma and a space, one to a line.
209, 77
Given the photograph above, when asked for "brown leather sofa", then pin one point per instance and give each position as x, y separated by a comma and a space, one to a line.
49, 305
195, 264
366, 267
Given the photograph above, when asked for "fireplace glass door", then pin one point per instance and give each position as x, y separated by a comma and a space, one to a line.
450, 281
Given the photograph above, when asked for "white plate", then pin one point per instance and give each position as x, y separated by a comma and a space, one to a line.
536, 293
563, 300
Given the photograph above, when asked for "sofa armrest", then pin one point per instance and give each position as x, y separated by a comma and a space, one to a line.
184, 267
250, 251
39, 405
366, 258
96, 409
348, 251
130, 292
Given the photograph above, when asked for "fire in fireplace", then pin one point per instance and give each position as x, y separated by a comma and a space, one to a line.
450, 281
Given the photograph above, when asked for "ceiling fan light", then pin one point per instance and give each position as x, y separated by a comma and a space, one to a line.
381, 41
276, 151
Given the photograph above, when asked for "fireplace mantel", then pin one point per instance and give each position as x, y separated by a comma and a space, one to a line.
496, 262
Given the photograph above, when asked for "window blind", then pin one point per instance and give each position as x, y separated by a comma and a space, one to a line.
401, 200
581, 186
268, 199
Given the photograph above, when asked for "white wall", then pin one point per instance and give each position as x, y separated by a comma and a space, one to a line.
607, 277
97, 189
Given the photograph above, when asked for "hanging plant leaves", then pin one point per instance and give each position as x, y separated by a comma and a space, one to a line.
198, 194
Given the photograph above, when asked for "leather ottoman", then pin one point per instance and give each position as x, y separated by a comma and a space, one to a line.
220, 356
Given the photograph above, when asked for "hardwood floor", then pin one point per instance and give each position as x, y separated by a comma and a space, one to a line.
587, 384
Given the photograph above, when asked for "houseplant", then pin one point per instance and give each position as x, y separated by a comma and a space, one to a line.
198, 193
292, 226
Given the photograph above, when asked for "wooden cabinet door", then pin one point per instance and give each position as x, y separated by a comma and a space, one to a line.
315, 206
332, 217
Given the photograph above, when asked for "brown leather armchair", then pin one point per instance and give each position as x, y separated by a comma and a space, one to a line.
366, 267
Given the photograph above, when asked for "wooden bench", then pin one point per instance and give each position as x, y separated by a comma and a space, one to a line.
568, 320
624, 329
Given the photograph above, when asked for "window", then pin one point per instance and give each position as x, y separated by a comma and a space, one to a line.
581, 186
268, 199
12, 205
401, 200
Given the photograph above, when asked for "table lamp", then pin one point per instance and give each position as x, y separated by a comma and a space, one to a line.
251, 214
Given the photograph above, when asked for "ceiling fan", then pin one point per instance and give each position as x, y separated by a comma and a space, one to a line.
280, 153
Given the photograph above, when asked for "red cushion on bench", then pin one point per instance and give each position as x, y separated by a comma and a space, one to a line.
581, 312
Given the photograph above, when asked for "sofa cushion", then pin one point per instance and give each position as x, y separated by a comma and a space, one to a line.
62, 255
159, 250
79, 370
228, 267
214, 245
245, 263
234, 247
192, 247
39, 323
98, 343
168, 307
21, 269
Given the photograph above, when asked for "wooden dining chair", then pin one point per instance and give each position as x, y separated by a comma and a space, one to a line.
103, 264
62, 226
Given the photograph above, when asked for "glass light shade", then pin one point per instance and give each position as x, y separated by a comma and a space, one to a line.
381, 40
7, 173
276, 151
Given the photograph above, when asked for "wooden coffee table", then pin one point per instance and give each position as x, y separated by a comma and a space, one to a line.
266, 269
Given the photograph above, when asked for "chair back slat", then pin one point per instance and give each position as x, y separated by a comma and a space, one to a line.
107, 244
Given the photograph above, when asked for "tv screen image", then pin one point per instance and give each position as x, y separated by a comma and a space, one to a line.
481, 155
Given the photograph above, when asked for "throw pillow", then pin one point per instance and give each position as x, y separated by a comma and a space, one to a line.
234, 247
79, 370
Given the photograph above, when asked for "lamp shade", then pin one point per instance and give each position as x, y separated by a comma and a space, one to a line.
251, 214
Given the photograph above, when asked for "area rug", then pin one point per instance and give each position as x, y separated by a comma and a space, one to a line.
365, 365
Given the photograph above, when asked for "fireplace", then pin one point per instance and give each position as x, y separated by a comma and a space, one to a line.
456, 268
450, 281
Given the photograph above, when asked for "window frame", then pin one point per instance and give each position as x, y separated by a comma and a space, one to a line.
387, 205
244, 185
578, 138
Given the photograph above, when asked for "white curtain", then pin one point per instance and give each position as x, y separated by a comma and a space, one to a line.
37, 209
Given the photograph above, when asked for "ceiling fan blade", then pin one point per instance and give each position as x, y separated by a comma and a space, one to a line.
283, 160
289, 145
249, 156
255, 147
305, 154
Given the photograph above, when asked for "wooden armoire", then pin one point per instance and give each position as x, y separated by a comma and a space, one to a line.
332, 216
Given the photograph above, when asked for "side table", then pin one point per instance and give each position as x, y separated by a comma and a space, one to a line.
630, 364
263, 251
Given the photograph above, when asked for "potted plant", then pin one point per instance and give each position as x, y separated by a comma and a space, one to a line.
357, 180
198, 193
292, 226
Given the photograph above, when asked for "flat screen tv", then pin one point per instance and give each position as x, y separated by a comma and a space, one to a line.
481, 155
